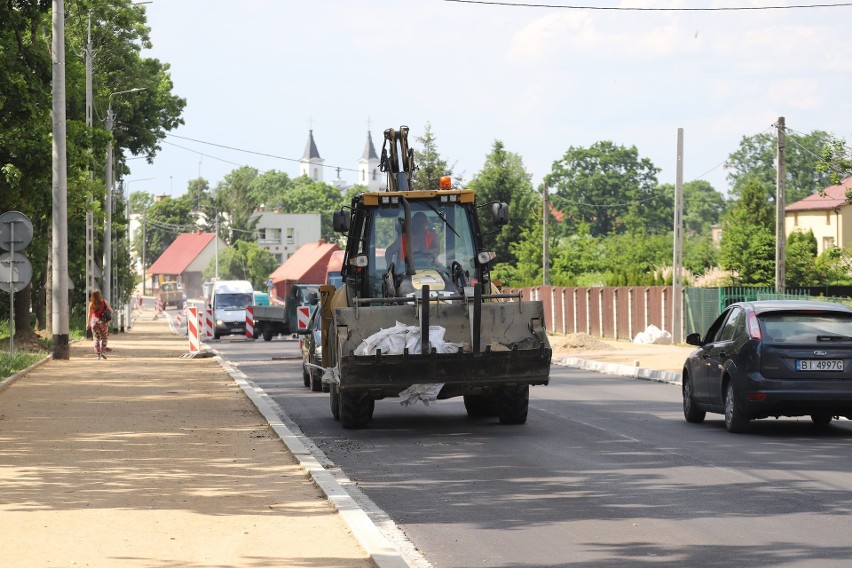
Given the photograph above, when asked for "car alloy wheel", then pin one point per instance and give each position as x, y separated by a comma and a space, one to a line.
735, 420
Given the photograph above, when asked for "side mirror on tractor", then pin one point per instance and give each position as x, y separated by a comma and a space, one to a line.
500, 213
342, 221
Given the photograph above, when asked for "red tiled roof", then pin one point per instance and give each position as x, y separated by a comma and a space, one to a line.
180, 254
303, 260
335, 263
831, 197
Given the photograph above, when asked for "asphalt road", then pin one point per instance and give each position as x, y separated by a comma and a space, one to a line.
605, 473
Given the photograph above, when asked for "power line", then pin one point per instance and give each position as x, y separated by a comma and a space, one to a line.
253, 152
641, 9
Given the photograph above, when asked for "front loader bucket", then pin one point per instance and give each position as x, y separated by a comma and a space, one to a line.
501, 343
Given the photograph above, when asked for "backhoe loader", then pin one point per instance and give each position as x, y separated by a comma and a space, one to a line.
418, 316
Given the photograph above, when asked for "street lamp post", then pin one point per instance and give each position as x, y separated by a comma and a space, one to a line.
127, 201
107, 276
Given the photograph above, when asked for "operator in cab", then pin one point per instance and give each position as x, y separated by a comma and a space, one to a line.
424, 241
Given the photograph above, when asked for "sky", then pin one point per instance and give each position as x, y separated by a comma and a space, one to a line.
259, 74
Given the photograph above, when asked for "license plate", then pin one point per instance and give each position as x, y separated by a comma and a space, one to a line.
819, 364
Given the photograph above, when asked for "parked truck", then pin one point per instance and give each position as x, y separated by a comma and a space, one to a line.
381, 331
171, 294
270, 321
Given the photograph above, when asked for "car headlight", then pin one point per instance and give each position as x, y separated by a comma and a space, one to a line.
220, 322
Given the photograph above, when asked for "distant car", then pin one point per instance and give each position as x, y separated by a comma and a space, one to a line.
772, 358
312, 353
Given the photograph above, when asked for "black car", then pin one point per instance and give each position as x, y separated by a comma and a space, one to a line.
311, 343
772, 358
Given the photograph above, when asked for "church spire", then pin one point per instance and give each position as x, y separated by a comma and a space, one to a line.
368, 167
311, 163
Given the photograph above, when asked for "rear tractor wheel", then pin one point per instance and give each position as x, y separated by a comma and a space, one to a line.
514, 403
356, 408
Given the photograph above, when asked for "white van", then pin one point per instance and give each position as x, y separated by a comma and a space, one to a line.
229, 300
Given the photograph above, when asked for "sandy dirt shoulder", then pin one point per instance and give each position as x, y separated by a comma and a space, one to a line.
653, 356
147, 459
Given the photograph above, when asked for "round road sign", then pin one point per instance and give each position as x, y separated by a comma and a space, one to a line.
15, 229
15, 272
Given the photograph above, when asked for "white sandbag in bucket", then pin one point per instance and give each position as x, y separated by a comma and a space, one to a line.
653, 335
394, 340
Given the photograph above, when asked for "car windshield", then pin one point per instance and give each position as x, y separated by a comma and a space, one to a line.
439, 240
233, 301
811, 327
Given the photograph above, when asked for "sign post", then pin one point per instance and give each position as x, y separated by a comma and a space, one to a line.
15, 269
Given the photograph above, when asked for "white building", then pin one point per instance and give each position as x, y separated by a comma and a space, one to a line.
283, 233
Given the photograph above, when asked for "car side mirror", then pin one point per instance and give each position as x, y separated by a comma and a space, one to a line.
342, 221
694, 339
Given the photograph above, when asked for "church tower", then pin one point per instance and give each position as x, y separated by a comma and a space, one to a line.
368, 167
311, 163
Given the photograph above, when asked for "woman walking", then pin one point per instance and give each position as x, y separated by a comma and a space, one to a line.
98, 323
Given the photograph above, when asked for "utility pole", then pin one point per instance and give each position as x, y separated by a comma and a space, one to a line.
780, 205
59, 242
216, 248
106, 280
545, 251
90, 243
677, 257
144, 248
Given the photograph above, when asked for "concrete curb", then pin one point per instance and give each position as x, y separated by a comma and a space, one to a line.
671, 377
381, 551
12, 378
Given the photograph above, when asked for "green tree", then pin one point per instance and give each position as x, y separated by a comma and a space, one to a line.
610, 188
119, 35
528, 250
756, 157
699, 253
269, 189
430, 167
575, 255
800, 260
635, 252
748, 237
165, 220
834, 266
236, 206
703, 206
244, 261
504, 179
836, 162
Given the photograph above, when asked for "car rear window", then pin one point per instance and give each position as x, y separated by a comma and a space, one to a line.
810, 327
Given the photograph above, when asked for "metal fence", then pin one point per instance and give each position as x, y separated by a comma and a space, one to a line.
621, 312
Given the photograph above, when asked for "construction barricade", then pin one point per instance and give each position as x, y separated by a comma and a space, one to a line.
192, 330
250, 322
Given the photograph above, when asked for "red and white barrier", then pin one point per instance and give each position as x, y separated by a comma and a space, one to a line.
303, 317
208, 324
250, 322
158, 304
192, 330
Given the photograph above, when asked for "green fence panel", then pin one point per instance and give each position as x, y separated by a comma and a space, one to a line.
702, 308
